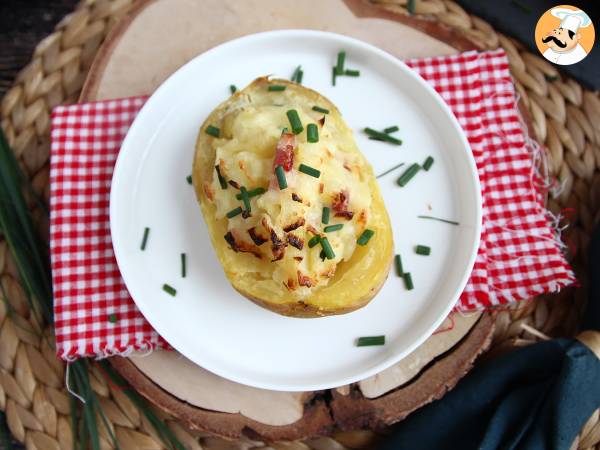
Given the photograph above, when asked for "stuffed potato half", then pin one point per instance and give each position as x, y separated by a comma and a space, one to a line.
284, 214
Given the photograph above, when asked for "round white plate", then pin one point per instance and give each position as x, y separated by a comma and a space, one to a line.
208, 321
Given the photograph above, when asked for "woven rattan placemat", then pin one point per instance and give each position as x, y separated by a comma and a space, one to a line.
565, 117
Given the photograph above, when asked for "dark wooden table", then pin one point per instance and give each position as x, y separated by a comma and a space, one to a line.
23, 23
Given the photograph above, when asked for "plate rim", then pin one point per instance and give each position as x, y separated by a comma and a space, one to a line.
466, 150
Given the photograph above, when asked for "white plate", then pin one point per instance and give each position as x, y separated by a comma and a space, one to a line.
212, 324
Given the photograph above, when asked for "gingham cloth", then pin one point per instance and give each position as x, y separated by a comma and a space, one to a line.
519, 256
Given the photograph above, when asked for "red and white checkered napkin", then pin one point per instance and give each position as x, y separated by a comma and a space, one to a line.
520, 255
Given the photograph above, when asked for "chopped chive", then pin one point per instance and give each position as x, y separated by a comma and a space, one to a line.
183, 265
408, 174
234, 212
336, 227
189, 179
222, 180
393, 129
314, 241
411, 7
319, 109
232, 88
113, 318
245, 198
312, 133
297, 70
341, 59
327, 248
398, 262
325, 215
277, 87
284, 130
322, 255
365, 237
333, 76
252, 193
423, 250
213, 131
382, 136
428, 163
451, 222
389, 170
295, 122
309, 170
352, 73
169, 290
408, 282
145, 238
281, 177
300, 76
366, 341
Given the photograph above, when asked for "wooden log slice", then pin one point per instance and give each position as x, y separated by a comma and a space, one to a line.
158, 37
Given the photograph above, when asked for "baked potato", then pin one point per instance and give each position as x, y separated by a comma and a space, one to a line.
292, 207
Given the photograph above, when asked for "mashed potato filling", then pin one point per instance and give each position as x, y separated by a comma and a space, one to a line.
281, 222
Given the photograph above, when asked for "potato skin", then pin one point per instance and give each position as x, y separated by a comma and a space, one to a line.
356, 282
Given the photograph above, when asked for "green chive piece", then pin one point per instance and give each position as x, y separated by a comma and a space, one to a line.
393, 129
314, 241
145, 238
398, 263
245, 198
319, 109
327, 248
252, 193
411, 6
333, 76
309, 170
322, 255
365, 237
428, 163
341, 59
183, 265
312, 133
281, 177
222, 180
189, 179
234, 212
277, 88
169, 290
232, 88
297, 75
423, 250
389, 170
325, 215
295, 122
336, 227
213, 131
113, 318
367, 341
408, 282
284, 130
451, 222
382, 136
352, 73
408, 175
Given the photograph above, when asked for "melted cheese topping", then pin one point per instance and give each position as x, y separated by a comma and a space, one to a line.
283, 221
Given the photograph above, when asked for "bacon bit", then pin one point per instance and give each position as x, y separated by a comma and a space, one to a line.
256, 238
321, 186
278, 246
246, 214
348, 168
340, 205
242, 247
208, 191
304, 280
284, 152
362, 217
295, 241
298, 258
297, 224
291, 284
234, 184
312, 230
296, 197
322, 121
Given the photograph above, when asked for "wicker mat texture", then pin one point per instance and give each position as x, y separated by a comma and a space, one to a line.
565, 117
